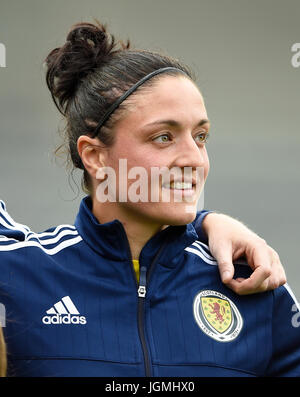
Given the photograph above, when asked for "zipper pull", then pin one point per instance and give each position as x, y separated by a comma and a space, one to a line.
142, 284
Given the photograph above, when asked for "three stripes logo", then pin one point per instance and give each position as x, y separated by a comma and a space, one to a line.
63, 312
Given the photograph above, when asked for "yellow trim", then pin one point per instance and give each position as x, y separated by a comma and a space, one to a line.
136, 266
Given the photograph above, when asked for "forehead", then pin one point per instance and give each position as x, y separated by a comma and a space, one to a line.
169, 96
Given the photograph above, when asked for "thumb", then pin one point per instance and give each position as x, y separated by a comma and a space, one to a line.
224, 258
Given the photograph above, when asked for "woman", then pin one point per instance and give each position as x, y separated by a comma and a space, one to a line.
130, 290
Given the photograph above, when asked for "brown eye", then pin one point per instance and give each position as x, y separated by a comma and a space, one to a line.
202, 137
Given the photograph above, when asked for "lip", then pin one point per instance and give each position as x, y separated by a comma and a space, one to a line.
181, 193
192, 181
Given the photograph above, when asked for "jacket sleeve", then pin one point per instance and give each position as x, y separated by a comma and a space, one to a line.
198, 226
9, 229
285, 359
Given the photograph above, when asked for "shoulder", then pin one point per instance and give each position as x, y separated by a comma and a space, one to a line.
285, 299
201, 251
281, 301
10, 229
15, 236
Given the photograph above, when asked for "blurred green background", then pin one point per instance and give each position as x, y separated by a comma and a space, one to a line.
241, 53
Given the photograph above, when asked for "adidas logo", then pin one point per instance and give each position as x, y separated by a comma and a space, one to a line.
64, 312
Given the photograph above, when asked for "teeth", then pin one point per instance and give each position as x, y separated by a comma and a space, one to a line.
179, 185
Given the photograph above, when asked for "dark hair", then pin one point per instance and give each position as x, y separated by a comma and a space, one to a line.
89, 73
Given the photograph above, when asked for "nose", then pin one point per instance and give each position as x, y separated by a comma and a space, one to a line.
189, 154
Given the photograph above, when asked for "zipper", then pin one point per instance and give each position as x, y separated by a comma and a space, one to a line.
142, 290
141, 318
143, 281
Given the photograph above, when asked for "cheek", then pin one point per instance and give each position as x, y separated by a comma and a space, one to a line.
135, 158
135, 154
207, 166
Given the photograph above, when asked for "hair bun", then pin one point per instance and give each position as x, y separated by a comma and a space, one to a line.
86, 48
87, 32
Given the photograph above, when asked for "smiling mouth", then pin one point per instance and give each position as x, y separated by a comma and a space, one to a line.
181, 191
179, 185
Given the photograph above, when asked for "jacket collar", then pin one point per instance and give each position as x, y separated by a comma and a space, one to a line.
110, 239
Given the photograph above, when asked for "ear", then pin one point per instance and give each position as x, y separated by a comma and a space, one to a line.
92, 153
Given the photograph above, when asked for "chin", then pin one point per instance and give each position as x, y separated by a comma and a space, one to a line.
177, 215
174, 214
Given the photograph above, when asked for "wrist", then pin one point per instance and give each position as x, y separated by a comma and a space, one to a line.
226, 224
202, 232
210, 222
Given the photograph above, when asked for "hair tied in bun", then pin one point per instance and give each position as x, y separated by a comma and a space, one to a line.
84, 51
90, 33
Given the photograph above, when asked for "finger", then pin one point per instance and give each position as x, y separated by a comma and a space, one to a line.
282, 278
278, 272
277, 277
257, 282
241, 287
259, 257
223, 255
258, 278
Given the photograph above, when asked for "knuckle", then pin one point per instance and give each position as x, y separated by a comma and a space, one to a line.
273, 284
261, 241
275, 255
224, 264
282, 280
238, 290
266, 270
256, 244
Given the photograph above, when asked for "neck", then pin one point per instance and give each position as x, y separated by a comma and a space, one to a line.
138, 230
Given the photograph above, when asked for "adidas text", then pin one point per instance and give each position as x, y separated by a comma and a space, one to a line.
64, 319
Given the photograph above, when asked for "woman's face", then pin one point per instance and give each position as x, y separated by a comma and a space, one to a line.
166, 126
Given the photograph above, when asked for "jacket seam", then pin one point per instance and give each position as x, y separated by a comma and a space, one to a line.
205, 365
267, 369
72, 358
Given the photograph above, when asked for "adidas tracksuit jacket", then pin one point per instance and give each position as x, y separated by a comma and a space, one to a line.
74, 307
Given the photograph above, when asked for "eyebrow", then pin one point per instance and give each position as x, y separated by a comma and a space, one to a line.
174, 123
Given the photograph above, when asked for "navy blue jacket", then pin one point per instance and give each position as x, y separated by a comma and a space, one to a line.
74, 306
